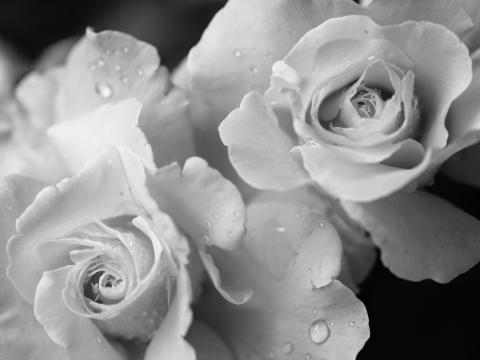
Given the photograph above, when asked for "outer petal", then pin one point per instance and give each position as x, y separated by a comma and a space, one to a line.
169, 342
79, 335
285, 256
245, 38
100, 190
80, 138
22, 336
420, 235
258, 149
111, 66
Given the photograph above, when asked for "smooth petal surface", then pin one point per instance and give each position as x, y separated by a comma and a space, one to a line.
169, 342
288, 252
80, 138
420, 235
258, 149
201, 202
22, 336
207, 344
111, 66
101, 190
245, 38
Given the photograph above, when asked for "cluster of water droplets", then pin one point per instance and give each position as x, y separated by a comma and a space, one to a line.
104, 89
209, 224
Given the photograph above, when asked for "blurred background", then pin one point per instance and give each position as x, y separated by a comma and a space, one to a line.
408, 320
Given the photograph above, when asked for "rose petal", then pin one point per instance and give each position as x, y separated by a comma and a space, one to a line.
75, 333
258, 149
169, 342
111, 66
201, 201
245, 38
100, 190
16, 316
80, 138
420, 235
449, 13
285, 308
207, 344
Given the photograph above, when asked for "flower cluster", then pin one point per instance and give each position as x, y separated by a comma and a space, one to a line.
233, 210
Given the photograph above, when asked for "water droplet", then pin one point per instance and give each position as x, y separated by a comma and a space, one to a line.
237, 53
271, 355
287, 348
117, 67
309, 270
100, 62
209, 225
99, 340
321, 225
281, 229
215, 215
298, 215
140, 72
109, 162
144, 313
308, 357
236, 213
124, 80
348, 63
8, 207
332, 323
118, 52
371, 57
126, 50
319, 332
92, 66
351, 323
103, 90
253, 69
108, 51
314, 310
230, 234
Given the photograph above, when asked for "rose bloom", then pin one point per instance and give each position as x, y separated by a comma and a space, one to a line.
104, 270
352, 101
100, 69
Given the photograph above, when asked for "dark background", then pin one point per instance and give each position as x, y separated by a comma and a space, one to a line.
408, 320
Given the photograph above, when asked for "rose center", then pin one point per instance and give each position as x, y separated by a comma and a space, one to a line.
368, 102
104, 286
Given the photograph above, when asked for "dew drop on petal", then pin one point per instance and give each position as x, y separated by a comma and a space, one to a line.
236, 213
103, 90
140, 72
287, 348
126, 50
92, 66
308, 357
332, 323
100, 62
209, 225
281, 229
237, 53
314, 310
319, 332
117, 67
230, 234
124, 80
371, 58
253, 69
321, 225
351, 323
99, 340
298, 215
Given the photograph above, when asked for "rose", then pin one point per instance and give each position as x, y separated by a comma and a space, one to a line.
96, 257
263, 138
101, 68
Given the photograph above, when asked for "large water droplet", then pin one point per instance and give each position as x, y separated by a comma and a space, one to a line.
351, 323
287, 348
319, 332
103, 90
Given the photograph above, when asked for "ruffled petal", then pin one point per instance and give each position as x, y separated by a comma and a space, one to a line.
258, 149
245, 38
100, 190
80, 138
201, 202
290, 256
17, 321
420, 235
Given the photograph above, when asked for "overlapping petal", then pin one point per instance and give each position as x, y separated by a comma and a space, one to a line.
421, 236
22, 336
290, 256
